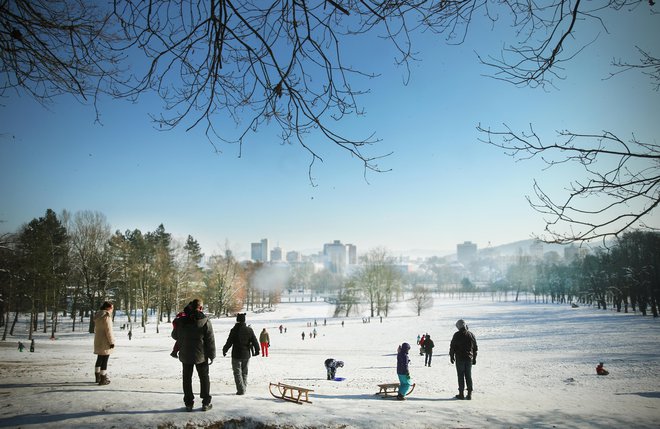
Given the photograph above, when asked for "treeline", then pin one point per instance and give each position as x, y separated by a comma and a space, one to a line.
67, 265
626, 276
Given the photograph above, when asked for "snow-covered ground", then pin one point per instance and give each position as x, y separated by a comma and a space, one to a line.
536, 368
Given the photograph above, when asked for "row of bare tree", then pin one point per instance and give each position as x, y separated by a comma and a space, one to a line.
68, 265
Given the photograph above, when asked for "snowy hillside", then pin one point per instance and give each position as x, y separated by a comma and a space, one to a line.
536, 368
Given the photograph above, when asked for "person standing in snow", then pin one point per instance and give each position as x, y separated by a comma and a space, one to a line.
194, 335
243, 342
428, 350
402, 370
264, 340
463, 351
104, 342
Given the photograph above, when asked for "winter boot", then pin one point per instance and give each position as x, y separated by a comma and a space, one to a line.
103, 380
206, 407
97, 377
469, 395
189, 407
460, 395
400, 397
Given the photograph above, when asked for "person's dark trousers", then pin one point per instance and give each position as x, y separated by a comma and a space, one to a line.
240, 368
427, 359
204, 383
464, 372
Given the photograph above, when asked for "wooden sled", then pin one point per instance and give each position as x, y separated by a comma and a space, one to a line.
290, 393
392, 389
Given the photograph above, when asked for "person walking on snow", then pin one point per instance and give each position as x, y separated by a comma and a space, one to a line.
242, 341
428, 350
194, 334
264, 340
463, 351
104, 342
402, 370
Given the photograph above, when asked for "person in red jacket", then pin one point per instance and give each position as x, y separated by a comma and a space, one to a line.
600, 370
175, 349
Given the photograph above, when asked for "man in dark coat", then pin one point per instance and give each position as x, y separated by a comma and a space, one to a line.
244, 344
463, 351
428, 350
194, 334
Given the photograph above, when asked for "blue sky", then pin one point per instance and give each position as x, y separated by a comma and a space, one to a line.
445, 186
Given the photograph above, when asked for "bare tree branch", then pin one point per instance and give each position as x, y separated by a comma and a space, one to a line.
621, 189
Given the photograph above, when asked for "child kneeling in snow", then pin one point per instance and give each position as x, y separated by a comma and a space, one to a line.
600, 370
331, 366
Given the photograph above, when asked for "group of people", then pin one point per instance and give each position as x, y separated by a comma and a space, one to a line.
462, 352
426, 348
195, 348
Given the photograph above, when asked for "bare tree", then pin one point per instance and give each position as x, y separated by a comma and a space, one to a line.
89, 233
621, 189
54, 47
422, 299
260, 63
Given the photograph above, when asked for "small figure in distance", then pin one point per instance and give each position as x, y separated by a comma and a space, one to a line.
600, 370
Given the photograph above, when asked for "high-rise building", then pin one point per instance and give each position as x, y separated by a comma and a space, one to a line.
293, 256
536, 250
466, 252
334, 255
276, 254
259, 251
352, 254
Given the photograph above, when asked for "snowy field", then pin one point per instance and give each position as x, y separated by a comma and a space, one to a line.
535, 369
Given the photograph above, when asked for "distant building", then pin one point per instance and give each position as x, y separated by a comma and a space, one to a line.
293, 256
335, 257
466, 252
259, 251
536, 250
276, 254
352, 254
572, 253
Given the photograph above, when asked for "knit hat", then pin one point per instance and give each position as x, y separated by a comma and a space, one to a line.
240, 317
460, 324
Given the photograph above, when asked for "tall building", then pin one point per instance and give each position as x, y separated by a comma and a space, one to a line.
293, 256
259, 251
334, 255
466, 252
536, 250
352, 254
276, 254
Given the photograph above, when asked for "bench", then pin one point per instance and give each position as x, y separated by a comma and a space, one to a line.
387, 389
290, 393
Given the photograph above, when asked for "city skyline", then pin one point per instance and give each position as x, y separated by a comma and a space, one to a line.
445, 185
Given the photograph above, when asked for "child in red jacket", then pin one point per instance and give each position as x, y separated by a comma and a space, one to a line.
600, 370
175, 349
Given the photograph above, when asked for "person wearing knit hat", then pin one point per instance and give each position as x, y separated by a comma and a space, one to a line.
463, 352
244, 344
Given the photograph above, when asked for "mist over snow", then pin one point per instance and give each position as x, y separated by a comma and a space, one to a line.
535, 369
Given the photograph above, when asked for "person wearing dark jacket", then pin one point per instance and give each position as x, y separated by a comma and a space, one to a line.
463, 351
194, 335
243, 343
428, 350
402, 370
